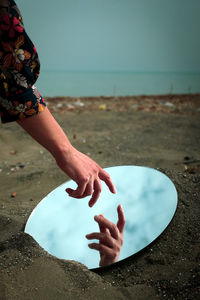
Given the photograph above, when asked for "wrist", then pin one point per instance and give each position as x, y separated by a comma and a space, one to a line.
61, 152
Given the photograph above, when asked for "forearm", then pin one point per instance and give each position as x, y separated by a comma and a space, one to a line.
47, 132
79, 167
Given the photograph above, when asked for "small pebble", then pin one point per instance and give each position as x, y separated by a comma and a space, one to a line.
21, 165
59, 105
13, 152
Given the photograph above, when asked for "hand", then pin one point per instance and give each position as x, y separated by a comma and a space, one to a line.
86, 173
110, 238
79, 167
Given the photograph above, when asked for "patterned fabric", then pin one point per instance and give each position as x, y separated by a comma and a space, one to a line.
19, 67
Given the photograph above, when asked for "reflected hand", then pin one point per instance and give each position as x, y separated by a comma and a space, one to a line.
86, 173
110, 238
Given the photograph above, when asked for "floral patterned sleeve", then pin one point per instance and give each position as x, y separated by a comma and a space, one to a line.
19, 67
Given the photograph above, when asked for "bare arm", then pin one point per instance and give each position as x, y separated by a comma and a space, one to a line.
79, 167
47, 132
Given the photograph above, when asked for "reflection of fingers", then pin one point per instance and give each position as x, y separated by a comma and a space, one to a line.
111, 226
102, 249
102, 228
121, 219
103, 175
96, 193
102, 237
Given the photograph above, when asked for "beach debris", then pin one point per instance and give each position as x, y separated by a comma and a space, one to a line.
135, 106
41, 152
1, 170
20, 165
31, 199
13, 152
191, 170
70, 106
186, 158
59, 105
13, 195
74, 136
79, 103
169, 104
84, 140
102, 106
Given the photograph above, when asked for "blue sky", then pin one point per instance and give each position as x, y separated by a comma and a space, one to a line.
126, 35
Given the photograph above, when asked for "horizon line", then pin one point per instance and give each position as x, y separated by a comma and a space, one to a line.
119, 71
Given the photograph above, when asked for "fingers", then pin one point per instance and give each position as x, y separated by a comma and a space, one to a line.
110, 238
103, 238
91, 185
109, 225
84, 189
79, 191
121, 219
103, 249
89, 190
108, 256
102, 228
103, 175
96, 193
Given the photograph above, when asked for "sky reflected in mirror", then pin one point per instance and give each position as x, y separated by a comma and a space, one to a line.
59, 223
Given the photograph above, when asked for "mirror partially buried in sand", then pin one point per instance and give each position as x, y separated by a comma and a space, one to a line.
59, 223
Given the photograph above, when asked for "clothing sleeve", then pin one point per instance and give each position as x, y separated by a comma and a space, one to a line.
19, 67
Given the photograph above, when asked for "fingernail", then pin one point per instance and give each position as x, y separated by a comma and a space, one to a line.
96, 217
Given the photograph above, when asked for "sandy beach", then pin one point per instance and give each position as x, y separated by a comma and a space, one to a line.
162, 132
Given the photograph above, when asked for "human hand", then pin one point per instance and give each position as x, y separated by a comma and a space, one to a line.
79, 167
110, 238
86, 173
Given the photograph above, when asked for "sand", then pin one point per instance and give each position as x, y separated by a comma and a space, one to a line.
162, 132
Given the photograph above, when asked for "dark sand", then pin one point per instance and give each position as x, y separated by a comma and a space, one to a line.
162, 132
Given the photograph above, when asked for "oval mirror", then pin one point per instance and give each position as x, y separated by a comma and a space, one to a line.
59, 223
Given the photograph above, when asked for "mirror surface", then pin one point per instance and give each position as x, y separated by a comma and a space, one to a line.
59, 223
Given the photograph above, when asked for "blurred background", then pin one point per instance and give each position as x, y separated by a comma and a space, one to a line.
115, 47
